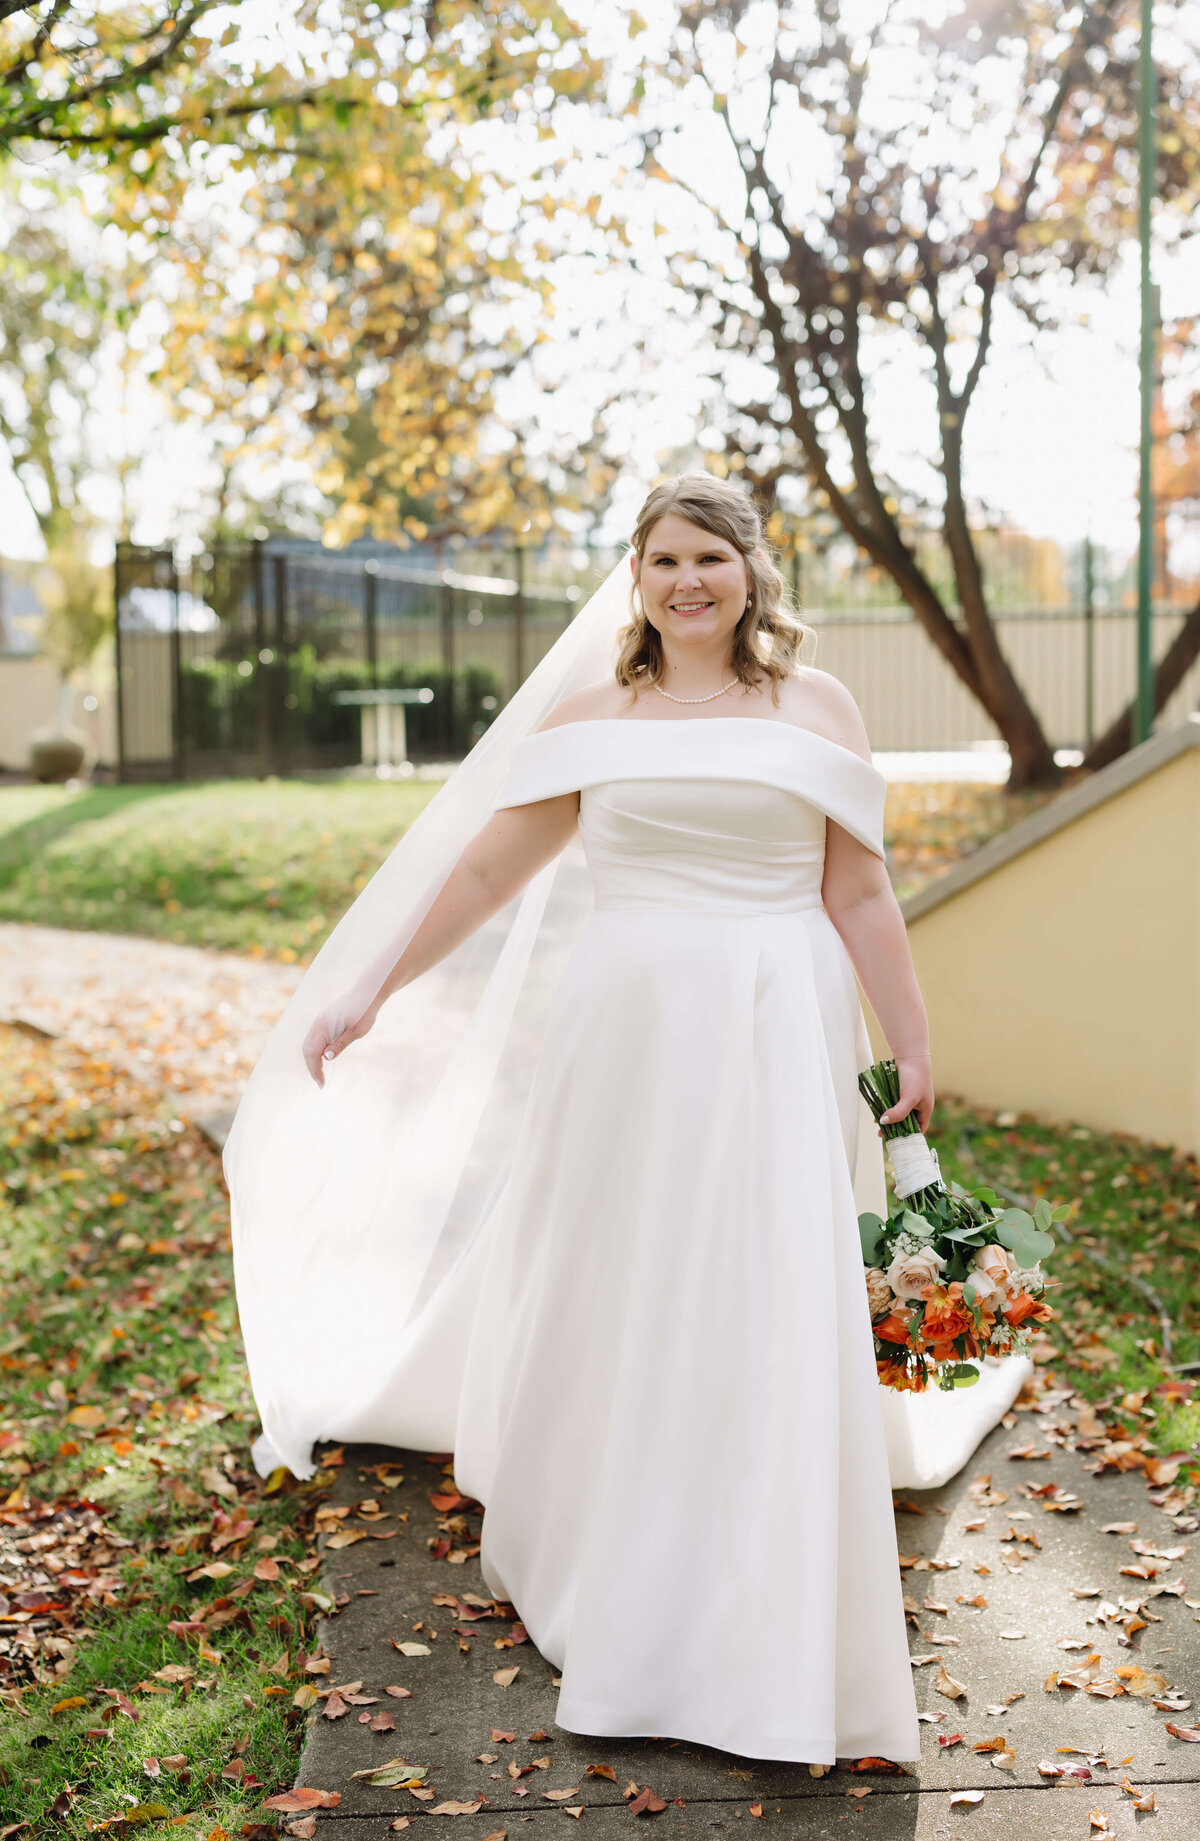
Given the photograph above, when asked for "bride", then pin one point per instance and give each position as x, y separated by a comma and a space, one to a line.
572, 1189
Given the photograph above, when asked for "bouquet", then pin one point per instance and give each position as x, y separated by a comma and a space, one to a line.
951, 1276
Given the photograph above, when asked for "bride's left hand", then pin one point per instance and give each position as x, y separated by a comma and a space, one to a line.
916, 1090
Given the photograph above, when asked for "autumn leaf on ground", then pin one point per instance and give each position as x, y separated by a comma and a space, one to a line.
294, 1802
1190, 1733
945, 1684
504, 1677
395, 1774
965, 1796
456, 1808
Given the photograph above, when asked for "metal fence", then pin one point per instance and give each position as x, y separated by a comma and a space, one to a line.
233, 665
237, 663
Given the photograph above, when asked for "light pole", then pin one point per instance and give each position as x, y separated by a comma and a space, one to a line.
1143, 723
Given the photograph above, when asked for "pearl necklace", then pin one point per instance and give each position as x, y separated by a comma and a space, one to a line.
711, 698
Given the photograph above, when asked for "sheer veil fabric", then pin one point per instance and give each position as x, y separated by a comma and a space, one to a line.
353, 1206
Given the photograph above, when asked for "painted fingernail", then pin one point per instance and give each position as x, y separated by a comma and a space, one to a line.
328, 1055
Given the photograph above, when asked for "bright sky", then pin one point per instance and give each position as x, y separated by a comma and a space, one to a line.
1051, 439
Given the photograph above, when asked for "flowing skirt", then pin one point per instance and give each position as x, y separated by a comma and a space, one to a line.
669, 1405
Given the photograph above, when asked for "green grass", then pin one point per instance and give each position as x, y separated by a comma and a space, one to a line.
1136, 1206
125, 1388
261, 868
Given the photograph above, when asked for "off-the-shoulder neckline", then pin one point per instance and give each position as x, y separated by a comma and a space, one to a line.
688, 722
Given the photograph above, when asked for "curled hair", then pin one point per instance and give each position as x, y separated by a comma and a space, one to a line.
769, 639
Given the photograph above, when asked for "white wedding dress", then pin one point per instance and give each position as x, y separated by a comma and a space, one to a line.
654, 1359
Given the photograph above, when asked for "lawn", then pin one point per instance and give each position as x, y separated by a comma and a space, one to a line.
158, 1602
267, 868
259, 868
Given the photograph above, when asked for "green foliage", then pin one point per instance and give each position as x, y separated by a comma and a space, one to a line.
260, 868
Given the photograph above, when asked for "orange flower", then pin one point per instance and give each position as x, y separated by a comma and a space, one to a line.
1020, 1307
946, 1316
898, 1376
892, 1328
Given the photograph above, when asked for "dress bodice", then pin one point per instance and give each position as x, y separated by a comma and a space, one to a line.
724, 815
723, 846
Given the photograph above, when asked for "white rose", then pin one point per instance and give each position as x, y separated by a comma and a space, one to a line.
910, 1273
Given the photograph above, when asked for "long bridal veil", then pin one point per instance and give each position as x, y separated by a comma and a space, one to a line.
352, 1204
349, 1203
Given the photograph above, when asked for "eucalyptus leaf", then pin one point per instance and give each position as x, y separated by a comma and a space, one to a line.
870, 1233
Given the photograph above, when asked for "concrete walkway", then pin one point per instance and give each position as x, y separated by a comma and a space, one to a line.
998, 1540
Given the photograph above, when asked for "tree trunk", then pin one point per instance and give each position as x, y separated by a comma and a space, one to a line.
1180, 655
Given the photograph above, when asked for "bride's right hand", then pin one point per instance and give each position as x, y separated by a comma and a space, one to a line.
328, 1037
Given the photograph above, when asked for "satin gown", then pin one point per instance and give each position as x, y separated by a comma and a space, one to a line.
644, 1333
669, 1405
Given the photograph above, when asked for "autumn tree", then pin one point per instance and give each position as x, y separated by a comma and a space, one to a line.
362, 307
902, 173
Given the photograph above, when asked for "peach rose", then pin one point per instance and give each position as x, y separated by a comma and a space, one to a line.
880, 1296
993, 1266
910, 1273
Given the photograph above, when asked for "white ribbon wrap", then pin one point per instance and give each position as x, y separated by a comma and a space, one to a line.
914, 1165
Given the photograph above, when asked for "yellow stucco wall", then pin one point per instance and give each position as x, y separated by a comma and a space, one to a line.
1067, 981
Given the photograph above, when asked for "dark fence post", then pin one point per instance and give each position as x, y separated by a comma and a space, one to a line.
262, 681
371, 618
279, 669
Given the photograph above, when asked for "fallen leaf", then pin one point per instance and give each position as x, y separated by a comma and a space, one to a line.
1190, 1733
560, 1796
504, 1677
601, 1770
1119, 1527
65, 1706
294, 1802
1144, 1684
946, 1684
501, 1738
457, 1808
412, 1649
1099, 1823
949, 1738
399, 1693
646, 1803
395, 1774
965, 1796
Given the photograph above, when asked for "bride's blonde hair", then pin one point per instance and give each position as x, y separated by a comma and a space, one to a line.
769, 638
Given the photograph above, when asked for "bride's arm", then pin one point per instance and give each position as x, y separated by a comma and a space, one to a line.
858, 898
515, 843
